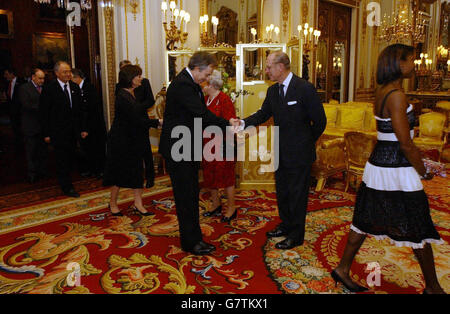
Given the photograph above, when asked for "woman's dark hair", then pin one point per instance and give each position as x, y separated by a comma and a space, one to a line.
127, 74
388, 68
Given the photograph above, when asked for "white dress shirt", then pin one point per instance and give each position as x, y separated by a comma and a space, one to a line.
286, 82
13, 85
189, 71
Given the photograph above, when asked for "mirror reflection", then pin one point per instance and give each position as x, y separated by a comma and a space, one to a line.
236, 18
294, 55
255, 63
338, 71
322, 66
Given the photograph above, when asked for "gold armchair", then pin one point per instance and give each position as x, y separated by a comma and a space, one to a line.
432, 132
330, 160
443, 106
358, 148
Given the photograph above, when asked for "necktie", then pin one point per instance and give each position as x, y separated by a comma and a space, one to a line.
200, 93
282, 92
10, 90
67, 95
39, 89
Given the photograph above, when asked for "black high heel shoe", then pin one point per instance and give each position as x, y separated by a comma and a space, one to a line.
216, 212
228, 219
137, 211
119, 214
338, 279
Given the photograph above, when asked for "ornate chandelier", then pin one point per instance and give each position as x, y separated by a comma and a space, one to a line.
407, 25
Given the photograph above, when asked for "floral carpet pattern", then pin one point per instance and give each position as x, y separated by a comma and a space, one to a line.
68, 246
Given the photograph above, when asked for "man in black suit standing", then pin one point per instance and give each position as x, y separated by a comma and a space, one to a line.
298, 112
94, 146
35, 148
13, 102
185, 103
64, 121
143, 94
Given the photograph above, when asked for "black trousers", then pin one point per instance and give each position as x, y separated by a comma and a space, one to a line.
93, 150
184, 177
149, 165
292, 186
16, 126
37, 154
66, 153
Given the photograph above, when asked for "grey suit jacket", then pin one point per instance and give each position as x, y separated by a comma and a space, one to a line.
29, 100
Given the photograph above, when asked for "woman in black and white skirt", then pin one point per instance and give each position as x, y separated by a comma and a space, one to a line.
391, 202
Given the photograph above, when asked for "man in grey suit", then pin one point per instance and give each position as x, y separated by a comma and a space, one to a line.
35, 147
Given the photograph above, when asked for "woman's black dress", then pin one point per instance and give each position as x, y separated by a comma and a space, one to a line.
128, 142
391, 202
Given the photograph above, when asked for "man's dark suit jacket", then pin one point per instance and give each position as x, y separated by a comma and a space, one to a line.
94, 106
184, 103
300, 124
29, 100
13, 102
58, 120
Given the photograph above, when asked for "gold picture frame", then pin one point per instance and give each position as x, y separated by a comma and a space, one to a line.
6, 24
48, 48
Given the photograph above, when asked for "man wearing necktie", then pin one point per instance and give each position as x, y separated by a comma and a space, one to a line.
298, 112
13, 102
185, 103
63, 121
35, 148
94, 145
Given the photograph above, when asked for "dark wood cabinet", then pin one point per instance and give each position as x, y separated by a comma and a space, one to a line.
333, 51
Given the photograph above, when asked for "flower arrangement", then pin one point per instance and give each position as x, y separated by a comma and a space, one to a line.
233, 93
437, 168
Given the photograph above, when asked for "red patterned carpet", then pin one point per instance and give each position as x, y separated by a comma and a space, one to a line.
134, 254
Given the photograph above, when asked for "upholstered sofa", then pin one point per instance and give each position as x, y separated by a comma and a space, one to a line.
348, 117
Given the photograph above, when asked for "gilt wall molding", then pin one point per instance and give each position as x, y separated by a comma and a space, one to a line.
108, 14
305, 11
144, 9
286, 16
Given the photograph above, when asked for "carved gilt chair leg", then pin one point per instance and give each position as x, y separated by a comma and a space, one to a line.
347, 181
321, 184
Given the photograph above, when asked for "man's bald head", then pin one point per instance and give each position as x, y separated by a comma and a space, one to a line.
278, 66
38, 76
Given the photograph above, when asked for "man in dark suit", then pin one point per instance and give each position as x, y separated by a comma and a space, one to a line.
94, 146
64, 121
143, 94
298, 112
13, 102
185, 103
35, 148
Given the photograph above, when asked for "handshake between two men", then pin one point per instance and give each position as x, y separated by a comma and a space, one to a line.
237, 125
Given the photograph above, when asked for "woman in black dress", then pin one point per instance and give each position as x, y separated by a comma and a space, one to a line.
391, 203
127, 141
